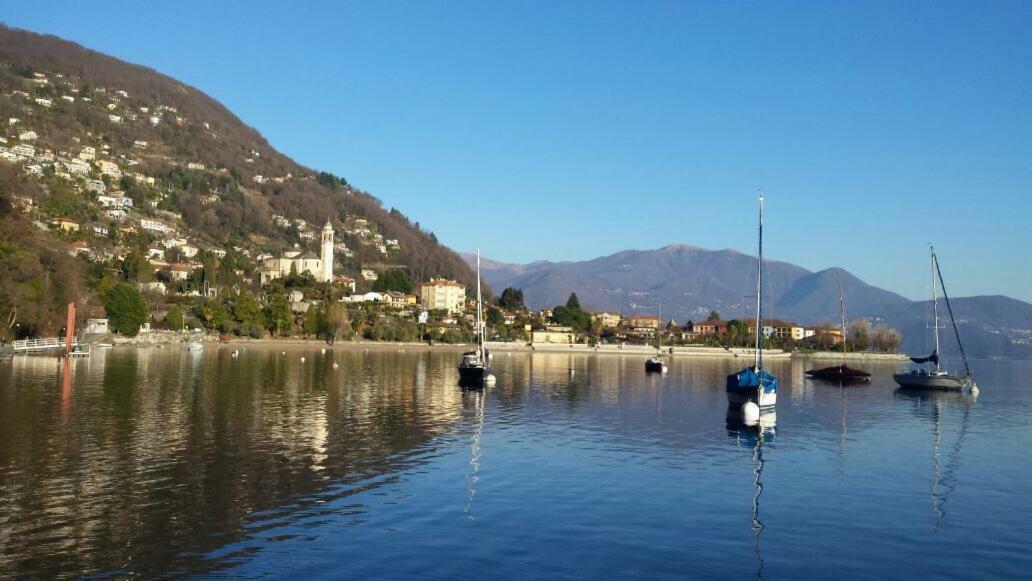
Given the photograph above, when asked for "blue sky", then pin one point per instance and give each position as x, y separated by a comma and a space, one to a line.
566, 131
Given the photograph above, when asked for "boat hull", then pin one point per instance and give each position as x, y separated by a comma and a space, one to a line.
654, 366
747, 385
840, 374
473, 376
930, 381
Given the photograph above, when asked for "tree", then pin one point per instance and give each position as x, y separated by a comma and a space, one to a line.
277, 313
573, 303
511, 299
337, 325
393, 280
126, 309
494, 318
859, 334
737, 331
174, 319
249, 314
136, 267
212, 313
713, 316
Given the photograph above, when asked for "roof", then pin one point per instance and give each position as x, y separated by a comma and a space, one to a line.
443, 282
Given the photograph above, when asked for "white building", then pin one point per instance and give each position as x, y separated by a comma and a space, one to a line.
110, 168
321, 267
88, 153
27, 135
155, 226
77, 167
447, 295
122, 202
22, 150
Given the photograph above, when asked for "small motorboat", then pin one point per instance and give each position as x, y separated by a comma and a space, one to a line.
194, 346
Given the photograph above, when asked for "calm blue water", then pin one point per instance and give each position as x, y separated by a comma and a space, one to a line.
160, 462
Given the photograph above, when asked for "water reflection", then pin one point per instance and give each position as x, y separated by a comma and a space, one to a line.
753, 434
157, 461
943, 471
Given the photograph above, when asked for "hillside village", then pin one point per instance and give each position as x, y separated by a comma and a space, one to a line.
104, 176
123, 213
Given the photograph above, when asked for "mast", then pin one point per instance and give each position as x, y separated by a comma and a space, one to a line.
480, 313
842, 315
759, 295
660, 347
935, 308
956, 332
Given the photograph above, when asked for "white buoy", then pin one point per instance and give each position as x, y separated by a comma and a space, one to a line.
335, 365
284, 353
302, 360
324, 351
490, 378
974, 390
750, 413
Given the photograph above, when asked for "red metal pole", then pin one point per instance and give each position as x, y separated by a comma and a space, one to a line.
70, 328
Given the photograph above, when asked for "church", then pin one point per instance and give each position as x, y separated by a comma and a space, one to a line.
321, 266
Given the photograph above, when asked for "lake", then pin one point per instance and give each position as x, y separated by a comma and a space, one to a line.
159, 461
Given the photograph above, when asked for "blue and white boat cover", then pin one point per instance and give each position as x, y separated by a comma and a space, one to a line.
750, 378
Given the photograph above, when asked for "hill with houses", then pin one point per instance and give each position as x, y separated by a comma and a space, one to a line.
103, 161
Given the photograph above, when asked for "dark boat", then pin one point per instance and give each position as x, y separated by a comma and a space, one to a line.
475, 367
937, 378
655, 364
840, 374
755, 384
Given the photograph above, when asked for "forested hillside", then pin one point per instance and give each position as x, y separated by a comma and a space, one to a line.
95, 150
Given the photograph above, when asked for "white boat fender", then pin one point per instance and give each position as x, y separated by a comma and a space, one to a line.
490, 378
750, 413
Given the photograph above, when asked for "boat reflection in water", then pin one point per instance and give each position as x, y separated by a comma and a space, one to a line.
473, 402
943, 477
753, 434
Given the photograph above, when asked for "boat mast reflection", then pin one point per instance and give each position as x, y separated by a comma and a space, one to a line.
943, 481
473, 399
753, 434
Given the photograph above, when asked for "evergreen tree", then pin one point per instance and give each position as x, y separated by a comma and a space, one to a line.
126, 309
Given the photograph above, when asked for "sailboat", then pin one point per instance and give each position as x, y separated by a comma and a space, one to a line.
755, 384
921, 378
475, 367
842, 374
655, 364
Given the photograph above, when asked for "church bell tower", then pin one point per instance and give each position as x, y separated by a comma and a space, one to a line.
327, 253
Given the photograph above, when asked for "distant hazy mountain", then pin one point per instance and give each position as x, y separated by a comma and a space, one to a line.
688, 282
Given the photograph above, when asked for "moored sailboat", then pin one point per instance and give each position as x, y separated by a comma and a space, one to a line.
842, 374
656, 364
475, 367
938, 378
755, 384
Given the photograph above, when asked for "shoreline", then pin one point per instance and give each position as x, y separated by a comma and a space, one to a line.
162, 339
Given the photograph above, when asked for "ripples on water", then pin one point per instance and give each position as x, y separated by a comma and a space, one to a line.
146, 462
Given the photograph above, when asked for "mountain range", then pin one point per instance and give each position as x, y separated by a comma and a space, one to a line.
687, 282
